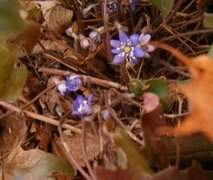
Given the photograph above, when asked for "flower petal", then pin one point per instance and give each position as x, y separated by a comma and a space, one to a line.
139, 53
115, 43
74, 112
150, 48
118, 58
134, 60
89, 99
147, 55
116, 51
79, 99
123, 36
134, 39
144, 38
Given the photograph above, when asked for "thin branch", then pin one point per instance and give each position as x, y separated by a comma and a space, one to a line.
39, 117
69, 153
84, 153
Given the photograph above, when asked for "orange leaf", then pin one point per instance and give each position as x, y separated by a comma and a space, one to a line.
200, 94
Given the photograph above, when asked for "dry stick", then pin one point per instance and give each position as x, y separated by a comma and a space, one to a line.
173, 33
29, 103
115, 117
69, 153
50, 56
40, 117
107, 35
94, 80
175, 52
203, 31
84, 152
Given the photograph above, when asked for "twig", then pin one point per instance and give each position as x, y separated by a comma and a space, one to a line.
39, 117
176, 115
84, 153
69, 153
29, 103
94, 80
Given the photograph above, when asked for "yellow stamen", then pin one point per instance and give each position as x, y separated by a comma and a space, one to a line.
127, 49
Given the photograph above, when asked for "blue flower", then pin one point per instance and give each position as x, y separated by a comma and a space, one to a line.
82, 106
73, 83
133, 4
62, 88
111, 6
126, 48
143, 43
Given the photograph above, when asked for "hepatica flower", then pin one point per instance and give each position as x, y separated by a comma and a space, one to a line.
143, 43
73, 83
62, 88
82, 106
126, 48
133, 4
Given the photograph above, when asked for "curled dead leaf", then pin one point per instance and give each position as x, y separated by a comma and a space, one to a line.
199, 92
74, 144
57, 18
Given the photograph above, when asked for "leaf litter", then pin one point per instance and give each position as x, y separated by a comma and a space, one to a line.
115, 119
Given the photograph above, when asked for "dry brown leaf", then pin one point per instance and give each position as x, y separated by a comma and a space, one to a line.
200, 94
201, 3
17, 159
28, 38
74, 144
57, 18
13, 131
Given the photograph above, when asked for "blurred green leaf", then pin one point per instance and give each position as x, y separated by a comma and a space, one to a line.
46, 166
9, 16
210, 53
6, 67
12, 79
136, 159
208, 20
136, 86
15, 83
165, 6
157, 86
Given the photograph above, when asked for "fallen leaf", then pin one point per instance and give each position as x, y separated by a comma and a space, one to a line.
28, 37
13, 131
194, 172
19, 158
136, 159
124, 174
44, 168
74, 144
199, 92
152, 120
57, 18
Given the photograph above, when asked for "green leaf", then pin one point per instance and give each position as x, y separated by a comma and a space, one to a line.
208, 20
46, 166
165, 6
136, 86
12, 79
210, 53
9, 16
136, 159
14, 85
157, 86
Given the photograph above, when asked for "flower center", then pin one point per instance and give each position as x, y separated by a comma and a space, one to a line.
127, 49
84, 108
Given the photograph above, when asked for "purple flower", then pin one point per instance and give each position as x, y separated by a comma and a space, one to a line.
82, 106
133, 4
144, 44
111, 6
73, 83
126, 48
62, 88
